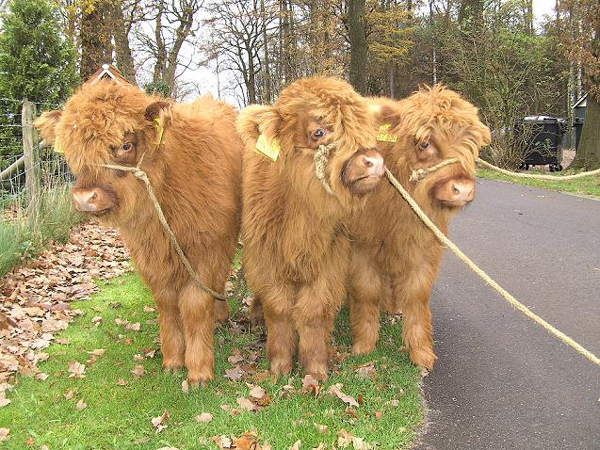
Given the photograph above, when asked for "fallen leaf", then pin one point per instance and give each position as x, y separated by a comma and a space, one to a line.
132, 327
80, 405
138, 357
76, 369
204, 417
296, 445
41, 376
336, 390
69, 394
137, 371
344, 438
97, 320
256, 392
185, 386
320, 428
360, 444
235, 359
157, 422
234, 374
98, 352
230, 410
247, 404
247, 441
121, 382
221, 441
310, 385
4, 401
366, 370
4, 434
148, 309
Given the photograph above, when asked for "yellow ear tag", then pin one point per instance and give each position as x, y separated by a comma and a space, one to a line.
384, 135
57, 147
159, 130
270, 151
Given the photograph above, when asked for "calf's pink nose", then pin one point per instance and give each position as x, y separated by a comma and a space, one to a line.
84, 200
463, 191
374, 164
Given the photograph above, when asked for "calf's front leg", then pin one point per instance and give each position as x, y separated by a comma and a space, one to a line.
172, 342
197, 312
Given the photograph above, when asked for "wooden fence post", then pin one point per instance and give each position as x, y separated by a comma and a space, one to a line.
31, 154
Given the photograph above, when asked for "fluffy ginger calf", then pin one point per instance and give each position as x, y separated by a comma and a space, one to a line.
192, 156
395, 257
296, 253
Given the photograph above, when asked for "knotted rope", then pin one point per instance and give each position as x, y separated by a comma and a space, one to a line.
420, 174
445, 241
321, 157
141, 175
535, 176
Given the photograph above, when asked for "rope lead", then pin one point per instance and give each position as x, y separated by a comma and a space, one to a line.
509, 298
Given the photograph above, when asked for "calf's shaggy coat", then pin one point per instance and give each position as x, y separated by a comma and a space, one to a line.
296, 252
395, 258
192, 156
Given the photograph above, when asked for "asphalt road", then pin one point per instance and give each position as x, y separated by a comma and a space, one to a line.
501, 381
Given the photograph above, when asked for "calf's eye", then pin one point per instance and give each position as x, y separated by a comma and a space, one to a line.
318, 134
126, 146
424, 145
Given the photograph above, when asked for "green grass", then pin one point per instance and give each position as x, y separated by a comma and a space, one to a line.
584, 186
119, 416
28, 233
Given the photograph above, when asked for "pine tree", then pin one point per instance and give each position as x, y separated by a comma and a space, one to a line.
36, 62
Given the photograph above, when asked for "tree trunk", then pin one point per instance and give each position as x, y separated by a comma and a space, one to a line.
96, 47
358, 45
122, 48
266, 69
588, 153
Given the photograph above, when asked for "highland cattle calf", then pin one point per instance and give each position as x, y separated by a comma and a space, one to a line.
192, 157
395, 257
296, 252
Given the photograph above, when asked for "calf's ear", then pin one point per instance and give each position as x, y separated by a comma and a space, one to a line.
159, 113
385, 113
255, 120
46, 125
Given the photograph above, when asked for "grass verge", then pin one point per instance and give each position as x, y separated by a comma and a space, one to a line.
118, 413
24, 233
589, 186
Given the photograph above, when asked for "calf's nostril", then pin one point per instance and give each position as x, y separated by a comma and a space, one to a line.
455, 189
367, 162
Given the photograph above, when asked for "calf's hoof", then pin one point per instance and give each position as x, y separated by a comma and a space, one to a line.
423, 357
199, 378
317, 371
172, 364
360, 348
281, 366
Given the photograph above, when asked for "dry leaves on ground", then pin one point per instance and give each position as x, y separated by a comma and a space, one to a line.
247, 441
204, 417
336, 390
34, 299
159, 422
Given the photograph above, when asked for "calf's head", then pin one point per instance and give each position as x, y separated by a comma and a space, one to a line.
432, 126
107, 124
315, 112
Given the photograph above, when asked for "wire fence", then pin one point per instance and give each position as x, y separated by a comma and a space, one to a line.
27, 168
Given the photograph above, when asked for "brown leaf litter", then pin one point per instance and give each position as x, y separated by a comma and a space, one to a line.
34, 298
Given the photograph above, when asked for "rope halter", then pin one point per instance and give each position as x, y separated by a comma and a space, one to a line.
321, 158
420, 174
